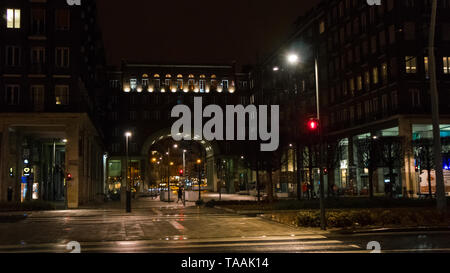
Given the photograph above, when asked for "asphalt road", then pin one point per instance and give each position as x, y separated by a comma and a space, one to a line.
155, 227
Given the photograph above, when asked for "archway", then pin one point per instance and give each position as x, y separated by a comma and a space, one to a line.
211, 152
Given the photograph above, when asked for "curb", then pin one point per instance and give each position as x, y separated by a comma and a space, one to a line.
400, 229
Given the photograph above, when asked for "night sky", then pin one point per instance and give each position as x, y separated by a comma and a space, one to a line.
196, 31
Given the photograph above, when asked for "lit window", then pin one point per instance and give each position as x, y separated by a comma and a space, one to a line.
180, 76
13, 18
411, 64
168, 76
225, 84
375, 75
322, 27
62, 95
359, 83
133, 84
180, 84
156, 76
191, 76
202, 85
446, 65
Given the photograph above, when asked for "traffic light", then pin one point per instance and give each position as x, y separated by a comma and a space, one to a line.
181, 172
313, 124
325, 171
68, 177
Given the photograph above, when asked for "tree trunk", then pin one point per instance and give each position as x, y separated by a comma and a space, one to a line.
299, 158
370, 183
258, 188
269, 185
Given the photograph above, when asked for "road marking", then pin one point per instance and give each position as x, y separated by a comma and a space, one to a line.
177, 225
304, 246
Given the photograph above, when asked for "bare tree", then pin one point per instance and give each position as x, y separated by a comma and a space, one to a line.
368, 157
391, 156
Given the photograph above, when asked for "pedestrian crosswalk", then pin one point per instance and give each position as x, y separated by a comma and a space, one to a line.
182, 244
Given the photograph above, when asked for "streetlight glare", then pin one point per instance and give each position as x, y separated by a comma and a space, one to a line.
276, 68
292, 58
175, 146
128, 134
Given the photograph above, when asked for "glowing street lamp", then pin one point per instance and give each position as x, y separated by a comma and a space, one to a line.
293, 58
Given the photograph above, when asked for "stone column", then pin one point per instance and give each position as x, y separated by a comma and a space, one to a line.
408, 171
73, 165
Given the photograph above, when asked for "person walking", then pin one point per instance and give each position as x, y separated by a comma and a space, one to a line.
180, 195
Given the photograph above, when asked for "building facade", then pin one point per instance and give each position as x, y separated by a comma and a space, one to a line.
373, 70
140, 99
50, 55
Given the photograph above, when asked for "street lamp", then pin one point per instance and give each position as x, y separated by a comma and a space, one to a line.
199, 164
175, 146
293, 59
128, 189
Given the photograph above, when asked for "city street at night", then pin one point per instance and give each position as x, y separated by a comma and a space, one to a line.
157, 227
234, 136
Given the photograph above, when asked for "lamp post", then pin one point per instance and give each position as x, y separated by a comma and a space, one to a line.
199, 164
175, 146
128, 183
293, 59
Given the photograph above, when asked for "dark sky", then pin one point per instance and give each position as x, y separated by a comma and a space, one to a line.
196, 31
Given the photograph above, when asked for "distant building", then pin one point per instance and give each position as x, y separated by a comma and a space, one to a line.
140, 98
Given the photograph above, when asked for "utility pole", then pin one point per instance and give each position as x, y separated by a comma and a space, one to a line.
437, 150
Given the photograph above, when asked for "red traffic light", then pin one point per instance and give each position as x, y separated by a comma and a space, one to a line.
181, 171
69, 177
313, 124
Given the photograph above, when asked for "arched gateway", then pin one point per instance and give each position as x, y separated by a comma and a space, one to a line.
210, 154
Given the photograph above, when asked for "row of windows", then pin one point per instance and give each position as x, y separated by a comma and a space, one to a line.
13, 56
376, 75
38, 19
14, 95
371, 107
201, 86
